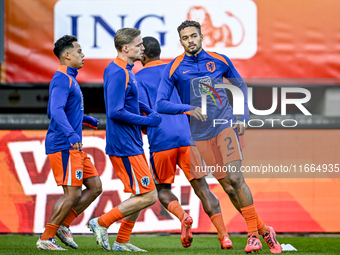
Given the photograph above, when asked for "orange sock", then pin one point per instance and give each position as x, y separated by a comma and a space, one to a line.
176, 209
249, 214
124, 232
261, 227
50, 231
70, 217
110, 217
217, 220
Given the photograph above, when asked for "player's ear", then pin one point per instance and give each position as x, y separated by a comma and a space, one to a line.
125, 48
66, 55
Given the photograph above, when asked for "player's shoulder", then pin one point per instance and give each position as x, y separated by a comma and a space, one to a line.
60, 78
114, 69
174, 64
219, 57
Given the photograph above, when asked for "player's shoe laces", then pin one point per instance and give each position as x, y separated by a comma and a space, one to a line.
186, 236
65, 235
270, 239
126, 247
100, 233
253, 244
49, 244
226, 243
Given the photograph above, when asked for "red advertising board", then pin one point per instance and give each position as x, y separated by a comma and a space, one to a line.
28, 190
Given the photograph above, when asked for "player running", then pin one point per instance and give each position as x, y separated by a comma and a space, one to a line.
195, 73
124, 143
70, 165
170, 146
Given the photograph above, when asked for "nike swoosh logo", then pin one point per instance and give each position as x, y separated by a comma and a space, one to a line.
230, 154
186, 71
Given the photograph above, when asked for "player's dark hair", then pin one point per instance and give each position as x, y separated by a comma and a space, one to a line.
189, 23
63, 43
125, 36
152, 47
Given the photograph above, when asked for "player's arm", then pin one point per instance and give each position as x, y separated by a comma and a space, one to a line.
143, 99
235, 78
116, 101
90, 122
58, 101
163, 103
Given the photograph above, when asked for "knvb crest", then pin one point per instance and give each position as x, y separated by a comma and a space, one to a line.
79, 174
145, 181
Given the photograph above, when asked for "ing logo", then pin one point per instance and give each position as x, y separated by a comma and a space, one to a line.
215, 36
211, 66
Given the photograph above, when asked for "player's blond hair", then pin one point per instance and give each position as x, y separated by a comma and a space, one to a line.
125, 36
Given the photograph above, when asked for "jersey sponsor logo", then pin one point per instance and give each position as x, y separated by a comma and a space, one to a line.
145, 181
79, 174
211, 66
184, 72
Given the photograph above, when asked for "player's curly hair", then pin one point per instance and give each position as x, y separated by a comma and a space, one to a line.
63, 43
152, 47
125, 36
189, 23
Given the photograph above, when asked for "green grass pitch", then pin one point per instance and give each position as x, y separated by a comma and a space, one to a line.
155, 244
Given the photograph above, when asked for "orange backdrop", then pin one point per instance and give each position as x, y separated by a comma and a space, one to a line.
296, 39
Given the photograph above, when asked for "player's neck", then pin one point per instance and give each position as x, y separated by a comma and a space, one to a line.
126, 58
189, 54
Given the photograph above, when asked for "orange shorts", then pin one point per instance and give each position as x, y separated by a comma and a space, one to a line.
134, 172
71, 167
220, 150
163, 164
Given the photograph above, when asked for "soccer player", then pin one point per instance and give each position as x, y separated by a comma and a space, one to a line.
124, 143
170, 146
195, 73
70, 165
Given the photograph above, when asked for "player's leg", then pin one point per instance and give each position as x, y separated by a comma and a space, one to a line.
134, 173
93, 189
67, 169
189, 158
229, 147
163, 169
122, 242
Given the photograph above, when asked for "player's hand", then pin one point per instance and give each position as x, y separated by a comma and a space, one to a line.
155, 119
90, 122
77, 146
241, 127
197, 113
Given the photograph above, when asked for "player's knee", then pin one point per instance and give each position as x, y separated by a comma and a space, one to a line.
236, 182
151, 197
97, 190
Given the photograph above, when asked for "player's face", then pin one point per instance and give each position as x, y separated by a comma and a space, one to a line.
191, 40
76, 56
136, 49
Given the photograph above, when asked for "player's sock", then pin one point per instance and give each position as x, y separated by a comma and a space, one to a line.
70, 217
249, 214
176, 209
124, 232
217, 220
261, 226
50, 231
110, 217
